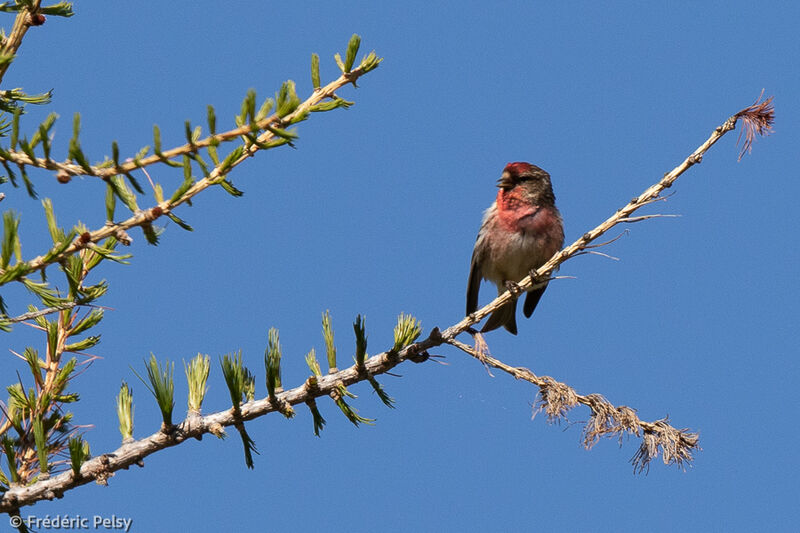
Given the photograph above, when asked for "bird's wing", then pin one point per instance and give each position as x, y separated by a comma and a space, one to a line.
531, 300
474, 284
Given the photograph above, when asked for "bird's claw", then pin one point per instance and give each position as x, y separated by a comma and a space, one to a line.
514, 288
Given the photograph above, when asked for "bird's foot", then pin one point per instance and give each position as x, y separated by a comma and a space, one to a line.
535, 278
514, 288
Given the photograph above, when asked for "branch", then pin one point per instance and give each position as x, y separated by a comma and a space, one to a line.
555, 398
757, 118
41, 312
67, 169
101, 468
22, 22
147, 216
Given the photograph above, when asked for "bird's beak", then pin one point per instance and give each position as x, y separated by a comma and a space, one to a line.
505, 181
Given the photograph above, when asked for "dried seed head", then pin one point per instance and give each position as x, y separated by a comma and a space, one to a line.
756, 120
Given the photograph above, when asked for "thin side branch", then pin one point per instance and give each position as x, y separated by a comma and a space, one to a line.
72, 169
595, 252
556, 399
41, 312
645, 217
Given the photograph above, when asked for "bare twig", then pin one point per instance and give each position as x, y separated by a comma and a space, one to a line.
629, 220
595, 252
606, 243
41, 312
556, 399
758, 118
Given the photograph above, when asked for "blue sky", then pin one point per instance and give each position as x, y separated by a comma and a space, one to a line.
376, 212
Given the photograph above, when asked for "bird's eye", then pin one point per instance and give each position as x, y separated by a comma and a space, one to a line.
531, 177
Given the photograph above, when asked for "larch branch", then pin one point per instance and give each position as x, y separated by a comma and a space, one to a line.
22, 23
147, 216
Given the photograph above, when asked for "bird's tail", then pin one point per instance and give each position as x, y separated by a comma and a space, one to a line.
505, 316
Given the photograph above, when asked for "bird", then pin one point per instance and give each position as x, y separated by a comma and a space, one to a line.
520, 232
